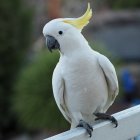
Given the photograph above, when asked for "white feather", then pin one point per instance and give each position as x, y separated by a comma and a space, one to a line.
84, 81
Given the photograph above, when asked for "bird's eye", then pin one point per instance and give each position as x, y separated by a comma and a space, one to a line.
60, 32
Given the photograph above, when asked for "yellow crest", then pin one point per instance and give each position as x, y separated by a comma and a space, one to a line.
81, 21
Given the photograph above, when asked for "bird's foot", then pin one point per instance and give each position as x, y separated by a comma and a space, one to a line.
104, 116
87, 126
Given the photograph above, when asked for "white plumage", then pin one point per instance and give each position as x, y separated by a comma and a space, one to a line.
85, 84
84, 81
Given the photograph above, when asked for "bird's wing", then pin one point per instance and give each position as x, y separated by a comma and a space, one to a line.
111, 79
59, 92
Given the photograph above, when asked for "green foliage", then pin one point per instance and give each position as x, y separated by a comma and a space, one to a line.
124, 4
34, 100
15, 36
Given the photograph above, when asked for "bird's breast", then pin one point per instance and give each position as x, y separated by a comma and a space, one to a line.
83, 80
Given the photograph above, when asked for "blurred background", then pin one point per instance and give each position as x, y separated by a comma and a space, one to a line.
27, 107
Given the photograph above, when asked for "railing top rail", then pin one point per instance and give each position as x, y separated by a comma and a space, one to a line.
128, 127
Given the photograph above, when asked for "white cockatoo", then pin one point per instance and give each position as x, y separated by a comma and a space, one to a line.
84, 81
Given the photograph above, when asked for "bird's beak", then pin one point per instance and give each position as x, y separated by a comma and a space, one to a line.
52, 43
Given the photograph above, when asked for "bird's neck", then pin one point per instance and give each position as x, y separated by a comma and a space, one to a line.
74, 47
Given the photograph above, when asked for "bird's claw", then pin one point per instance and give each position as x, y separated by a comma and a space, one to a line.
87, 126
103, 116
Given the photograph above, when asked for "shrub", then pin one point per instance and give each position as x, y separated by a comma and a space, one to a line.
15, 37
34, 100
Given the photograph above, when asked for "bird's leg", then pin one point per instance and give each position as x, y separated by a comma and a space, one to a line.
87, 126
104, 116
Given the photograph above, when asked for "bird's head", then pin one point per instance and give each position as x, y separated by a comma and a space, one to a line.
65, 33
